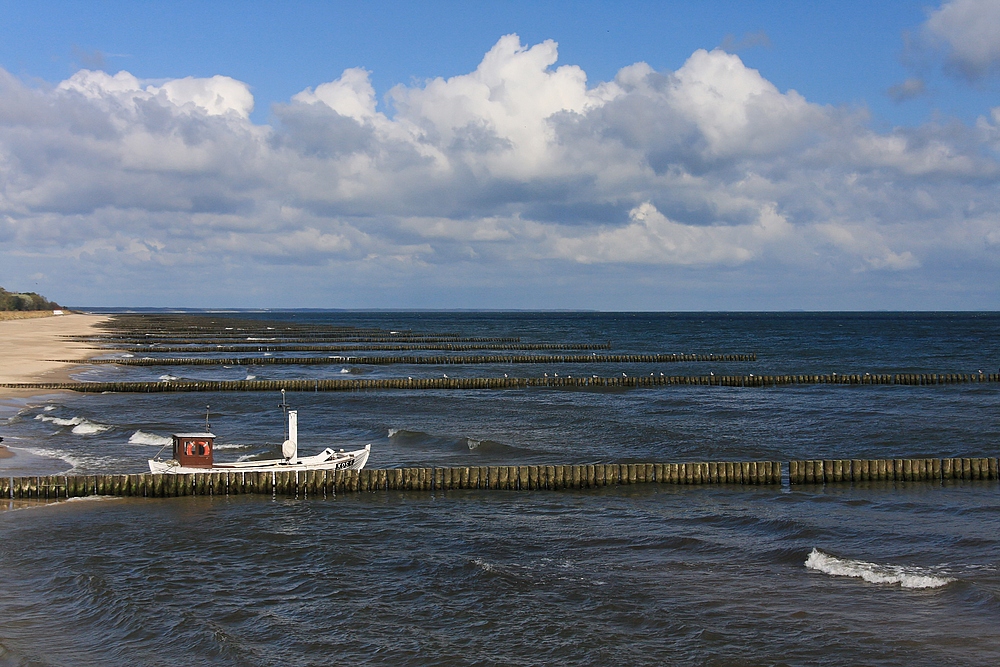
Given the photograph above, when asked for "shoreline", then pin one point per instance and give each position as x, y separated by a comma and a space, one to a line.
30, 344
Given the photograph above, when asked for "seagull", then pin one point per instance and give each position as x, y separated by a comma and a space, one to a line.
623, 375
408, 377
545, 374
444, 374
711, 373
556, 374
505, 375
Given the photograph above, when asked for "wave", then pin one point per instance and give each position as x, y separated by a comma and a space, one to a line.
77, 461
874, 573
143, 438
167, 377
458, 444
81, 425
251, 376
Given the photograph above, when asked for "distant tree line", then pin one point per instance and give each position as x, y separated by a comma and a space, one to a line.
26, 301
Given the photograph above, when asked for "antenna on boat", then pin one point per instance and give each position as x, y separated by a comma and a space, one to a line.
284, 412
208, 411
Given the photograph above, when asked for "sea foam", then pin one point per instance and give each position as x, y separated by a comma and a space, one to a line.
143, 438
906, 577
81, 425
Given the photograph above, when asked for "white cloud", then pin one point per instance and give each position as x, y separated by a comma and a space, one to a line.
968, 32
520, 163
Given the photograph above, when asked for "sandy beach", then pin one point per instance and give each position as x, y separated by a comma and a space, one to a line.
28, 347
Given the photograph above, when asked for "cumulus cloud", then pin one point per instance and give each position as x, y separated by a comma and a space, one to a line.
966, 31
519, 163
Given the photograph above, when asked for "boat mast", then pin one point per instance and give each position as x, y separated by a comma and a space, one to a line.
284, 414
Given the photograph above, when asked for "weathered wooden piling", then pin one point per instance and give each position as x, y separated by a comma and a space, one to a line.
639, 381
906, 470
499, 478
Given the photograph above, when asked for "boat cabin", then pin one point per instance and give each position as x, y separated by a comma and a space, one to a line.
194, 450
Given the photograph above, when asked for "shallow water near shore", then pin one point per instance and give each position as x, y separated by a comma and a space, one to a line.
881, 573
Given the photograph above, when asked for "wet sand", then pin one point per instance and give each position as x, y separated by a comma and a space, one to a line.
30, 349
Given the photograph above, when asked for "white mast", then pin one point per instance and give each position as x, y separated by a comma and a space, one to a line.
290, 448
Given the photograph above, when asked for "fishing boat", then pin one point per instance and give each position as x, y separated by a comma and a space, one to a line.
193, 453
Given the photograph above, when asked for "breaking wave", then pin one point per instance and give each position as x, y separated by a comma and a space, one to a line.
143, 438
168, 377
874, 573
81, 425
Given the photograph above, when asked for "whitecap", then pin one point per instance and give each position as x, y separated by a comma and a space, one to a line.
473, 444
87, 427
143, 438
393, 432
906, 577
169, 378
81, 425
483, 565
344, 370
251, 377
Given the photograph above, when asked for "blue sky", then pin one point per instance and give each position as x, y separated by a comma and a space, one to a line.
762, 156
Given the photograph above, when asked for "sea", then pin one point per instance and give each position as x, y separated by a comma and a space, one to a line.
874, 573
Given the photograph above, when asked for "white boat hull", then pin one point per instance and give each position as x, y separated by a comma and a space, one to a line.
328, 459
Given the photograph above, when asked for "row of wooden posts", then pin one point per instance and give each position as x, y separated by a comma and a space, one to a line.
909, 470
290, 337
374, 347
637, 381
436, 360
511, 478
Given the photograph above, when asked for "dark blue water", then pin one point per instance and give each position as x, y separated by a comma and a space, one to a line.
900, 573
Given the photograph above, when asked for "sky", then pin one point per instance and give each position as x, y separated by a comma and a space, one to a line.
563, 155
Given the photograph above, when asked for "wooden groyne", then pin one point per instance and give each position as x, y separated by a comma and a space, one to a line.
436, 360
112, 339
910, 470
627, 382
374, 347
501, 478
320, 482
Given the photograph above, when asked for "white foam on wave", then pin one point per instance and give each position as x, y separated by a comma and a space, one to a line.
251, 377
473, 444
169, 378
344, 370
483, 565
151, 439
232, 446
49, 408
81, 425
393, 432
874, 573
76, 461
